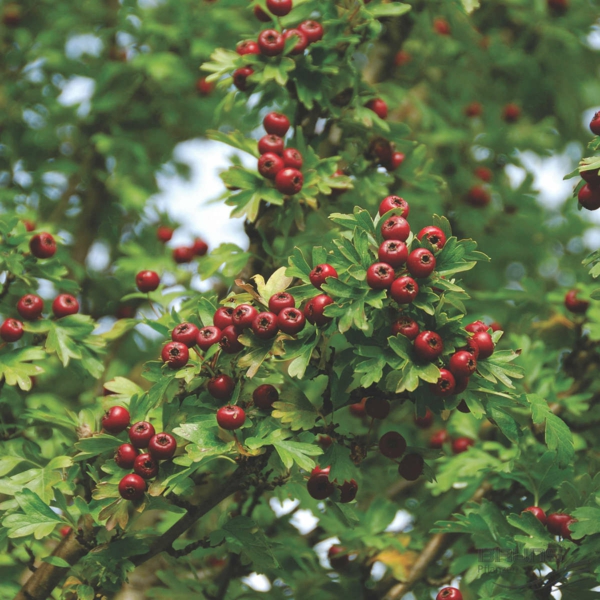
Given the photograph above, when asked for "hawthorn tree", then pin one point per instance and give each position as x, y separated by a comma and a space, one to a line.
406, 348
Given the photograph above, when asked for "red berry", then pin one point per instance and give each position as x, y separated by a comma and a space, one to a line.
595, 124
132, 487
276, 124
199, 247
379, 107
445, 384
324, 441
183, 254
301, 43
279, 8
261, 15
162, 446
358, 409
320, 273
395, 161
474, 109
574, 304
147, 281
484, 343
271, 42
312, 30
426, 421
29, 225
292, 158
265, 325
511, 113
392, 203
175, 354
240, 77
229, 342
462, 364
125, 456
393, 252
589, 197
406, 326
338, 556
461, 385
204, 87
380, 276
411, 467
11, 330
208, 336
221, 387
223, 317
420, 263
402, 58
556, 521
472, 348
291, 321
538, 513
277, 302
565, 530
484, 174
185, 333
116, 419
382, 150
476, 327
348, 491
428, 345
164, 233
404, 290
434, 235
591, 177
231, 417
30, 307
318, 484
395, 228
438, 439
462, 444
449, 593
314, 310
441, 26
141, 433
289, 181
496, 327
478, 196
247, 47
145, 466
65, 305
377, 408
392, 444
42, 245
243, 316
64, 531
264, 396
270, 143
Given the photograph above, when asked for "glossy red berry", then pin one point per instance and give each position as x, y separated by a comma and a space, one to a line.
264, 325
379, 107
30, 307
565, 530
380, 276
64, 531
428, 345
292, 158
556, 521
595, 124
476, 327
145, 466
395, 161
474, 109
393, 252
261, 15
425, 421
243, 316
312, 30
42, 245
185, 333
183, 254
289, 181
175, 354
271, 42
591, 177
125, 456
484, 343
462, 405
147, 281
589, 197
116, 419
279, 8
221, 387
277, 302
472, 348
405, 326
449, 593
377, 408
538, 513
338, 557
11, 330
511, 113
270, 144
320, 273
240, 78
141, 433
264, 396
441, 26
65, 305
462, 364
204, 87
199, 247
314, 310
393, 203
404, 290
164, 233
575, 304
318, 484
229, 342
484, 174
438, 439
301, 40
392, 444
478, 196
223, 317
231, 417
445, 384
420, 263
462, 444
132, 487
291, 321
207, 337
162, 446
434, 235
276, 124
348, 491
395, 228
411, 467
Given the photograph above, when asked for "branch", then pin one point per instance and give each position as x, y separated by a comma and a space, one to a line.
201, 543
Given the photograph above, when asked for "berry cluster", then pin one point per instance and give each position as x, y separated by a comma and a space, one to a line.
276, 163
320, 487
381, 149
459, 445
589, 194
556, 523
142, 436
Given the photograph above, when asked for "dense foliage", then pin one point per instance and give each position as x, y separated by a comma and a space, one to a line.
406, 347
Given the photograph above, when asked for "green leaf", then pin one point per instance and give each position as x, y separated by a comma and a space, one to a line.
588, 522
16, 367
337, 457
295, 409
245, 537
35, 519
292, 452
56, 561
537, 537
204, 438
95, 445
389, 10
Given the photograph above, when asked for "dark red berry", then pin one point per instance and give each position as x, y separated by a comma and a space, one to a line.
276, 124
556, 521
240, 78
204, 87
476, 327
132, 487
338, 557
484, 343
221, 387
199, 247
484, 174
449, 593
392, 444
271, 42
348, 491
11, 330
445, 384
175, 354
441, 26
30, 307
474, 109
462, 444
472, 348
420, 263
565, 530
164, 233
265, 325
147, 281
229, 342
392, 203
589, 197
538, 513
434, 235
264, 396
595, 124
125, 456
185, 333
270, 143
223, 317
292, 158
382, 150
575, 304
162, 446
393, 252
318, 484
183, 254
243, 316
511, 113
380, 276
207, 337
42, 245
279, 8
404, 290
291, 321
395, 161
261, 15
377, 408
312, 30
462, 406
358, 409
29, 225
116, 419
411, 467
277, 302
428, 345
145, 466
478, 196
314, 310
462, 364
289, 181
395, 228
406, 326
231, 417
141, 433
301, 40
320, 273
324, 441
438, 439
269, 164
379, 107
426, 421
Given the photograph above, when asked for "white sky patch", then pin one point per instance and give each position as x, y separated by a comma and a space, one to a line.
304, 521
401, 521
259, 583
283, 508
